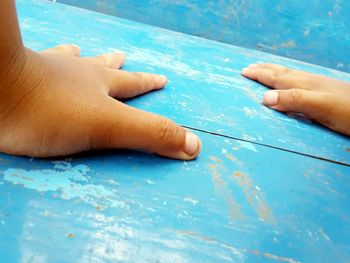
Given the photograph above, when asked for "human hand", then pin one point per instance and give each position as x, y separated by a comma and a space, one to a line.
58, 103
323, 99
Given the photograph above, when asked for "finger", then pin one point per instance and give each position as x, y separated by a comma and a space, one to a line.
125, 85
114, 60
278, 79
121, 126
274, 67
65, 49
263, 75
282, 70
316, 105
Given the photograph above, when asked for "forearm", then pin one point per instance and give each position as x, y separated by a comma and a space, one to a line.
11, 46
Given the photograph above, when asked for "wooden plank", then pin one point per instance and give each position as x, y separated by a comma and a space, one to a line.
237, 203
317, 35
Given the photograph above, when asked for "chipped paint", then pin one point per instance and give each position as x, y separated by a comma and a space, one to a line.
254, 197
222, 188
191, 200
67, 181
247, 145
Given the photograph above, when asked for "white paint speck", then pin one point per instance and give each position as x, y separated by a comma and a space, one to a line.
247, 145
150, 181
191, 200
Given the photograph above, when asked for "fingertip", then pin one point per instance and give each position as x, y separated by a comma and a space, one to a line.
161, 81
253, 65
120, 53
245, 70
248, 72
271, 98
190, 150
76, 49
193, 145
74, 45
120, 60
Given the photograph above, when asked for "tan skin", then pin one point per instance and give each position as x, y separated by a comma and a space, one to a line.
325, 100
55, 103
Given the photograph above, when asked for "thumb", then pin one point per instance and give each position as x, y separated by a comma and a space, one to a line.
122, 126
313, 104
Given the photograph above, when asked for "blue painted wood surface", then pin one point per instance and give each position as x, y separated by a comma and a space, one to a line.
310, 30
238, 202
233, 204
206, 90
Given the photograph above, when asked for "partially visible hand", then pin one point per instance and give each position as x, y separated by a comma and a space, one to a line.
323, 99
59, 103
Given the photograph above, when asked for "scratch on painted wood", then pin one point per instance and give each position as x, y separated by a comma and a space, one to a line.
288, 44
239, 251
222, 188
254, 197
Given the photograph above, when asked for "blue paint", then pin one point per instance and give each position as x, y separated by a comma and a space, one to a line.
230, 205
314, 31
238, 202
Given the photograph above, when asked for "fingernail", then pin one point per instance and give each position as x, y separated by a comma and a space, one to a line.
192, 144
74, 45
162, 79
253, 65
245, 70
119, 52
271, 98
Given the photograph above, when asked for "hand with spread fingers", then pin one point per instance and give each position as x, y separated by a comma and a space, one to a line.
323, 99
57, 103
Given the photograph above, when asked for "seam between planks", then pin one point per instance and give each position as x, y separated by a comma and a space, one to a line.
271, 146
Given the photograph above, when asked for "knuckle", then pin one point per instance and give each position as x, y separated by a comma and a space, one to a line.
296, 97
273, 78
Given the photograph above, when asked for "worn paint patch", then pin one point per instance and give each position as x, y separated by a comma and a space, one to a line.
247, 145
324, 235
234, 159
288, 44
249, 112
254, 197
238, 251
274, 257
67, 181
222, 188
